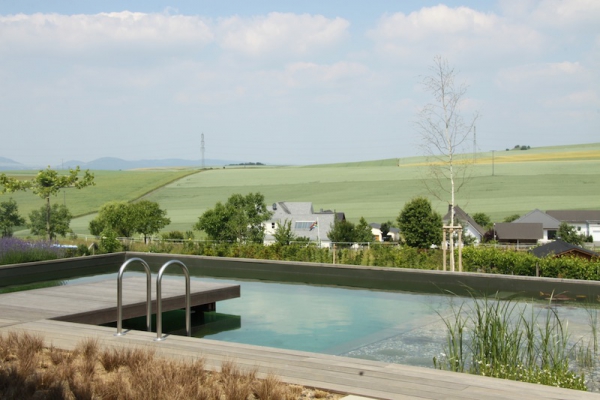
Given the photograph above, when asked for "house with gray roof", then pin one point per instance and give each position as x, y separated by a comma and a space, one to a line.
560, 248
587, 222
549, 223
471, 228
527, 233
305, 222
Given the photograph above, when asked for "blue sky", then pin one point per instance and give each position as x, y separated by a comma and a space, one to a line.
287, 82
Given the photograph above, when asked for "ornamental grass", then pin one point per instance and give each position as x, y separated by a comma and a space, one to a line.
29, 370
509, 340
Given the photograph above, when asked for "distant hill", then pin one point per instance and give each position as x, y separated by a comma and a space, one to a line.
112, 163
8, 164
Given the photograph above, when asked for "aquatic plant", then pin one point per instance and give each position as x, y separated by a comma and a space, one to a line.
502, 339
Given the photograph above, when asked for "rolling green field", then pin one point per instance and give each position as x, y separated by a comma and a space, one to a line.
566, 177
110, 185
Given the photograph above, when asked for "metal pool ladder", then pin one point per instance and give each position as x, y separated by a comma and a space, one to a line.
120, 295
188, 328
159, 336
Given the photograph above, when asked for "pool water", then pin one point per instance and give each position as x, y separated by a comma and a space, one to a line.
397, 327
321, 319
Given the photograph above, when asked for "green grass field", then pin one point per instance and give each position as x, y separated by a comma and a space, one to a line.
566, 177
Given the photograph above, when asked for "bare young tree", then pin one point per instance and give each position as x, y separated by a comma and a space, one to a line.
445, 133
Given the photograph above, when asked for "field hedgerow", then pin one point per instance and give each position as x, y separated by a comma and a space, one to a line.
15, 251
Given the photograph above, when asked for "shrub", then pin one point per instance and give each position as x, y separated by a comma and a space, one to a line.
15, 251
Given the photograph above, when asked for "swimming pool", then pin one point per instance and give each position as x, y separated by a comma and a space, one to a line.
391, 326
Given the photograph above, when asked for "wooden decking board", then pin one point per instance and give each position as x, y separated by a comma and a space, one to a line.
95, 302
174, 348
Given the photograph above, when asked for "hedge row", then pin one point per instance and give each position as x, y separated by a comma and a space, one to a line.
475, 259
510, 262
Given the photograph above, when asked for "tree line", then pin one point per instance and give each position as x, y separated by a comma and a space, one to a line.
51, 220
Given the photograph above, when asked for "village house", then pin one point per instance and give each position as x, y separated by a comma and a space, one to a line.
393, 235
525, 233
549, 224
470, 227
305, 222
587, 222
560, 248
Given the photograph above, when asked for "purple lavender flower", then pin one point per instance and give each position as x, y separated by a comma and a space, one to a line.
15, 251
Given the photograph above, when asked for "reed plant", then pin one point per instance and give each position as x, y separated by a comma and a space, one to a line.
29, 370
510, 340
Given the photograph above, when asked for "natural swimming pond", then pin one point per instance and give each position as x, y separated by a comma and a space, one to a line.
397, 327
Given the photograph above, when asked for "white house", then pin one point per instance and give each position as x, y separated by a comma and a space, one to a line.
587, 222
471, 228
304, 221
549, 223
393, 234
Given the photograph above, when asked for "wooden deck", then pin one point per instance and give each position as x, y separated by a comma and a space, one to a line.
96, 302
35, 312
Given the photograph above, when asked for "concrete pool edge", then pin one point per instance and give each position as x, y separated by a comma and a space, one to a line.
378, 278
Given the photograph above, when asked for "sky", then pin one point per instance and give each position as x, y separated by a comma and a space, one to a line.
288, 82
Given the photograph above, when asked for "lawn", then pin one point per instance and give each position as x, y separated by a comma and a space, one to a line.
566, 177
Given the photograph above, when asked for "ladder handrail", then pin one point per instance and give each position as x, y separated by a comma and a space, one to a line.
159, 299
120, 295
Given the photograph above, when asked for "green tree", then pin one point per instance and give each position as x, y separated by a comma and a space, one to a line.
420, 226
9, 217
125, 219
48, 183
60, 219
117, 216
362, 231
109, 242
284, 235
342, 231
150, 219
239, 219
511, 218
569, 234
385, 228
483, 220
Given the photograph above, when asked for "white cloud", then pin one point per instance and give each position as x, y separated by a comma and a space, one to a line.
446, 30
76, 32
304, 73
280, 32
563, 88
549, 74
586, 98
572, 12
